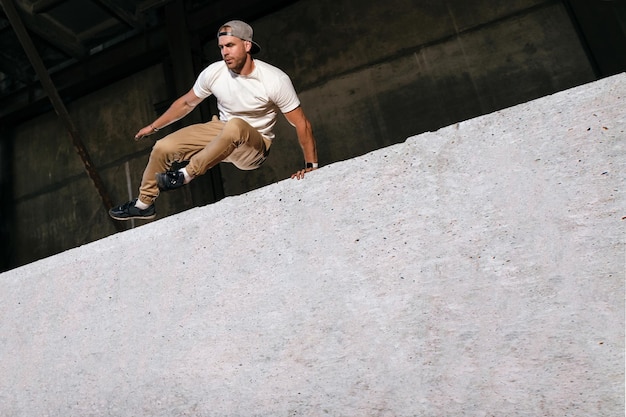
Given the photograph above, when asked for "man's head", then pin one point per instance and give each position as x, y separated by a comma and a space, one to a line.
236, 45
240, 30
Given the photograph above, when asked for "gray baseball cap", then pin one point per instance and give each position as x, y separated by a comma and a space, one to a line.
241, 30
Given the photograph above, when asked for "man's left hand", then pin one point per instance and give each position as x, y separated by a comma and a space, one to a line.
300, 174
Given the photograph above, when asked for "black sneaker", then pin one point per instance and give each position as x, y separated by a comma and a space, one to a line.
129, 211
170, 180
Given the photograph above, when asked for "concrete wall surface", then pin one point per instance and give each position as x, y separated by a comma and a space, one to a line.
369, 75
473, 271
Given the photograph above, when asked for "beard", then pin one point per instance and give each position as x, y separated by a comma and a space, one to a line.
235, 64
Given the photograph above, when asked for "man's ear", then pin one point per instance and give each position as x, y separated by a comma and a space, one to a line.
248, 45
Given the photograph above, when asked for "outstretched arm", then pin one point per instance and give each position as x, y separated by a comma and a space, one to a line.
298, 119
179, 109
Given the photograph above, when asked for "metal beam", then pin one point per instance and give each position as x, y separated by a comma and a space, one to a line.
180, 51
94, 72
95, 30
13, 68
209, 188
133, 54
151, 4
57, 103
42, 6
53, 33
122, 14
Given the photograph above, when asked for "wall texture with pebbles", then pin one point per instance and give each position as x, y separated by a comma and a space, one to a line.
477, 270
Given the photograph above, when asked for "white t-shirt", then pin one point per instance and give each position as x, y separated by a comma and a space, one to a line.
257, 98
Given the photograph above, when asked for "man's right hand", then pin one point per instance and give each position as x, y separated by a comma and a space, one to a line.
146, 131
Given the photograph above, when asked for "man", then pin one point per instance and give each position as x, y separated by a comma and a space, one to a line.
249, 93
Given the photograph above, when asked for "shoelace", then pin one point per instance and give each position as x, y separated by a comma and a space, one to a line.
173, 177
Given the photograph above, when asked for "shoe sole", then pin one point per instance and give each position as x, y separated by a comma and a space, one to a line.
133, 217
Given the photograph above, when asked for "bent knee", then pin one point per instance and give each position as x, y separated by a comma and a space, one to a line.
163, 146
239, 131
167, 150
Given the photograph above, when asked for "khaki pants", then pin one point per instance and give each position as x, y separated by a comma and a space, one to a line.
204, 146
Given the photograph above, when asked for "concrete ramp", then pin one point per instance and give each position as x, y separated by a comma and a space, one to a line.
473, 271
